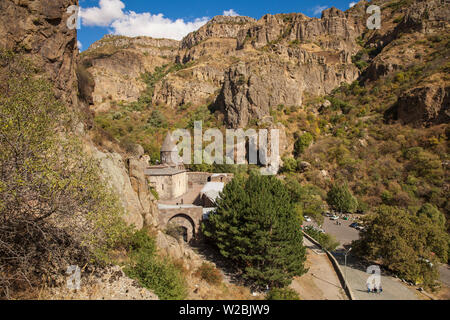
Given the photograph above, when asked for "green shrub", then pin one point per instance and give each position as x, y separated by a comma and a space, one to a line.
55, 208
361, 64
157, 120
327, 241
289, 165
209, 273
158, 274
341, 199
302, 143
339, 104
287, 294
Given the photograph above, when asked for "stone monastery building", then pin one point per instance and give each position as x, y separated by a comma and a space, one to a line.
185, 198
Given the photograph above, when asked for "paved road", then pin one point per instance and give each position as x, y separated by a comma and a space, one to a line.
345, 235
393, 289
321, 282
357, 277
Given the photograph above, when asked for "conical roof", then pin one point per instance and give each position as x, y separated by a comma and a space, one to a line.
168, 144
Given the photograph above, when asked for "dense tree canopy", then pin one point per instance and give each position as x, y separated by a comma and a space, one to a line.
341, 199
409, 244
256, 226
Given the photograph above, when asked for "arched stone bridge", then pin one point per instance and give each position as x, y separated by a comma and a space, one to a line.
188, 217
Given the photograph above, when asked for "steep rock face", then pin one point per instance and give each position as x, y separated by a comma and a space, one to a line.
194, 85
425, 105
427, 16
116, 64
136, 171
420, 17
335, 30
297, 54
249, 92
218, 27
39, 29
128, 181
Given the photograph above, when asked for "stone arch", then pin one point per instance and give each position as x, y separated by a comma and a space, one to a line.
187, 223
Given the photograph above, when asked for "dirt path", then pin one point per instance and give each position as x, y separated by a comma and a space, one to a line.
321, 281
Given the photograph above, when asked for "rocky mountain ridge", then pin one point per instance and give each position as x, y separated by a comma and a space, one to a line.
246, 67
235, 56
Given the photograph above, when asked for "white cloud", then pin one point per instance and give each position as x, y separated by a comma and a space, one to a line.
110, 13
107, 12
230, 13
352, 4
155, 25
79, 45
318, 9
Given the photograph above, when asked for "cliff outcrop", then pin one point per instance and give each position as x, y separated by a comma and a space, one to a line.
39, 30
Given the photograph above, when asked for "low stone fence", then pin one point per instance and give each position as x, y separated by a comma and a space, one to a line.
198, 177
337, 268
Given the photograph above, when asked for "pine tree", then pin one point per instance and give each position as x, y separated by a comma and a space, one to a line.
341, 199
256, 226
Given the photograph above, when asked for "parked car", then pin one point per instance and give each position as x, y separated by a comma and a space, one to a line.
354, 225
334, 218
307, 219
328, 214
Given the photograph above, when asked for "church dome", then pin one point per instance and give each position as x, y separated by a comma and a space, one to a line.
168, 144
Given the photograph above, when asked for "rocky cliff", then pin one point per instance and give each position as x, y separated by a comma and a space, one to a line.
413, 40
246, 67
38, 29
117, 63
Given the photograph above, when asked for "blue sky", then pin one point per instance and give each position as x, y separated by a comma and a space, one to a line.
176, 18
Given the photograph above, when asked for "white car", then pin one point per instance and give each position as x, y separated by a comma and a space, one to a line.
334, 218
307, 219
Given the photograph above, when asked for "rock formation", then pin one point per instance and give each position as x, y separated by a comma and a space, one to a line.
427, 105
39, 30
117, 63
245, 66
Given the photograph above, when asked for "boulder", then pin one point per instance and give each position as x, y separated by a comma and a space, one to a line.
423, 106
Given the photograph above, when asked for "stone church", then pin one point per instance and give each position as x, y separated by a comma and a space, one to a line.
185, 198
170, 178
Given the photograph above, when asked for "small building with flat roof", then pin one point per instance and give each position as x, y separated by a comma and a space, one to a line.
210, 193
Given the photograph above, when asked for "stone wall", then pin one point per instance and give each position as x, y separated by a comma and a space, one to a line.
170, 187
198, 177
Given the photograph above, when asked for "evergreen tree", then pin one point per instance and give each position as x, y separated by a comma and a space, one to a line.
256, 226
302, 143
341, 199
